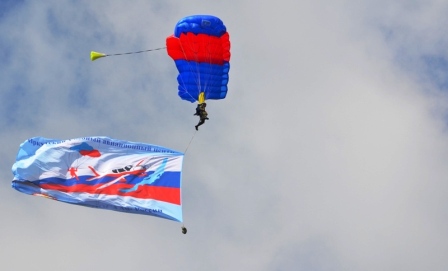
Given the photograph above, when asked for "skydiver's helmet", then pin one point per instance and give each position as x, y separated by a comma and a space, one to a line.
184, 230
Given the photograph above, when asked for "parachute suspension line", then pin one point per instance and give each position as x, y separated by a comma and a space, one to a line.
211, 53
206, 78
189, 65
197, 79
197, 72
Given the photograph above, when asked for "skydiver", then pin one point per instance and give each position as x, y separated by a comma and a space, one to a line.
200, 111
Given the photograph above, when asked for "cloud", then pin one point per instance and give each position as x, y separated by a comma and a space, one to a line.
327, 154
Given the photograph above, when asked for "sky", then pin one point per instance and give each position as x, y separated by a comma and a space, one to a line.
328, 153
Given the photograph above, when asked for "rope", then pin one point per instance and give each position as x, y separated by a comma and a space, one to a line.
184, 229
190, 142
138, 52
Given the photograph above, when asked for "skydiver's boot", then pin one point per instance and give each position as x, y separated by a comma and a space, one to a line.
196, 127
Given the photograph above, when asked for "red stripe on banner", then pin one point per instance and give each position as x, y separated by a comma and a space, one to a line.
166, 194
199, 48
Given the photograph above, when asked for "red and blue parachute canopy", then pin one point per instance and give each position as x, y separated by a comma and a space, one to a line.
200, 47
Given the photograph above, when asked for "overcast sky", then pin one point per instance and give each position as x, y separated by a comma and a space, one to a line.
329, 153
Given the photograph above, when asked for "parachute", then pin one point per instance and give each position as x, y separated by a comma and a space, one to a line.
115, 175
200, 47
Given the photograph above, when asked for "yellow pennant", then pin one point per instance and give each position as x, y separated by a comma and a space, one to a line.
95, 55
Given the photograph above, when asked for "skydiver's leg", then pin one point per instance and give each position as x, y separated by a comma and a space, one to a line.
200, 123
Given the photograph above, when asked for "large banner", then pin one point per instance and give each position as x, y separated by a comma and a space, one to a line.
104, 173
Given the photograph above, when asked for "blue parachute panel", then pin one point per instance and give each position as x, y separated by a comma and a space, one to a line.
196, 77
200, 24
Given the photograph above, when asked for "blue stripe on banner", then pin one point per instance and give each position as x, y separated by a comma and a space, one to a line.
167, 179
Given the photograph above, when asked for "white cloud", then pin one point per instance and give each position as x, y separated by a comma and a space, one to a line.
327, 154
